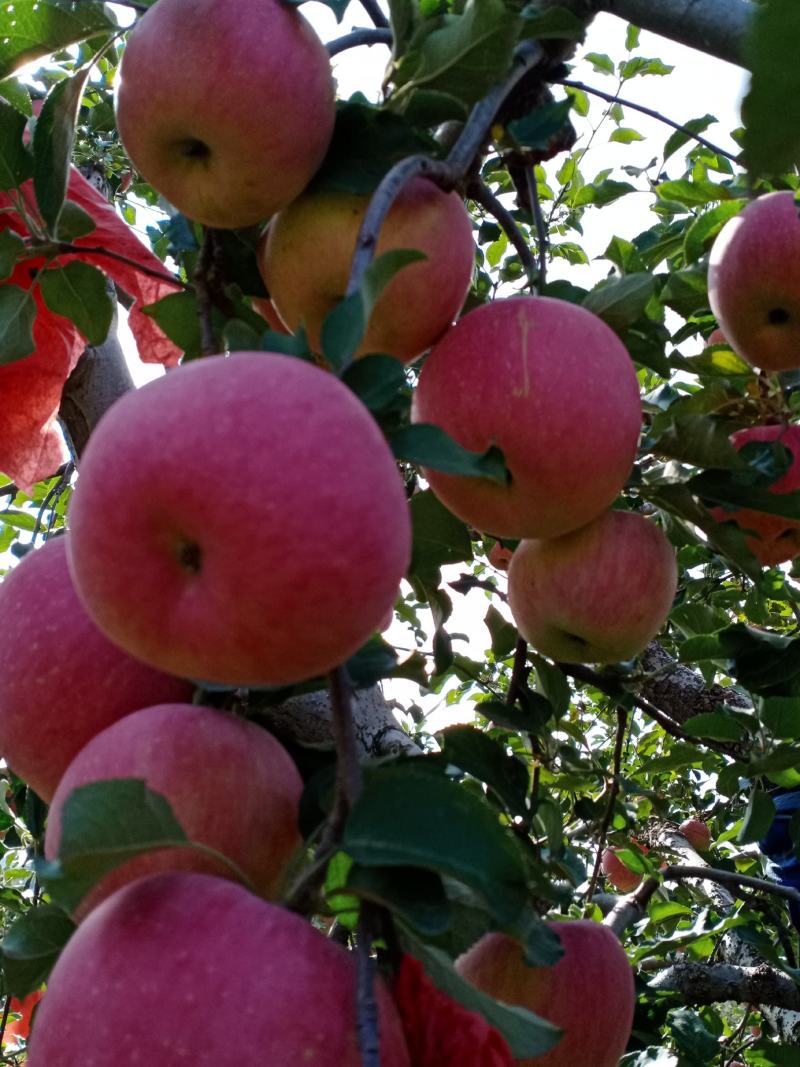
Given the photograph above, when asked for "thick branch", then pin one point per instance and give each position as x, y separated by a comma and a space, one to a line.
699, 983
680, 691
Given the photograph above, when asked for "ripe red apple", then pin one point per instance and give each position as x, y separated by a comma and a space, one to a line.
500, 556
696, 833
191, 969
310, 246
61, 680
552, 386
227, 109
775, 539
240, 520
230, 785
589, 993
754, 282
19, 1029
620, 876
597, 595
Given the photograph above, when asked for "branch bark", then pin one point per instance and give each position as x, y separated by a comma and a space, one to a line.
699, 983
680, 691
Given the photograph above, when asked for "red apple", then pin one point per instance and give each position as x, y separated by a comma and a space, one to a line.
500, 556
310, 246
61, 680
589, 993
226, 108
266, 309
19, 1029
553, 387
620, 876
240, 520
775, 539
696, 833
230, 785
597, 595
754, 282
190, 969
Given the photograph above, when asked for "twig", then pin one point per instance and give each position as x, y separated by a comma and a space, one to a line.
372, 8
678, 872
541, 227
64, 248
367, 1027
349, 780
483, 196
612, 98
365, 36
205, 265
519, 671
622, 723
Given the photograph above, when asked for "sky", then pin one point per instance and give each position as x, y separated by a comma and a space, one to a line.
699, 85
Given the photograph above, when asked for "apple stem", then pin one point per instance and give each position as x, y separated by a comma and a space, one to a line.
622, 726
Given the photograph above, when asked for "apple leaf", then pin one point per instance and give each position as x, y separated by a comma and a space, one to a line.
757, 818
556, 23
408, 816
414, 895
706, 227
717, 725
700, 440
17, 95
11, 244
74, 222
481, 756
681, 137
17, 316
16, 162
438, 537
376, 380
78, 291
781, 716
32, 946
40, 27
536, 130
429, 446
177, 316
620, 301
771, 109
52, 145
724, 487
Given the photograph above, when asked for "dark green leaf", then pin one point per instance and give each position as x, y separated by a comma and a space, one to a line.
679, 138
723, 487
74, 222
11, 244
554, 24
41, 27
554, 684
17, 316
52, 145
16, 162
416, 896
716, 725
488, 761
692, 1037
177, 316
707, 226
504, 635
376, 380
758, 817
700, 440
17, 95
439, 537
530, 717
605, 192
781, 716
32, 946
771, 109
537, 129
78, 292
620, 301
429, 446
373, 661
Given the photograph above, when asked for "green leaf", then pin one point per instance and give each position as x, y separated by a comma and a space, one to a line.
556, 23
74, 222
488, 761
177, 316
716, 725
17, 316
757, 818
16, 162
438, 537
553, 683
781, 717
408, 817
527, 1035
620, 301
52, 145
679, 138
602, 63
723, 487
632, 38
376, 380
700, 440
416, 896
11, 244
638, 66
504, 635
429, 446
604, 193
704, 229
17, 95
41, 27
32, 946
771, 109
78, 292
537, 129
623, 135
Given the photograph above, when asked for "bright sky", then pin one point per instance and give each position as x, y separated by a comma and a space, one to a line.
699, 85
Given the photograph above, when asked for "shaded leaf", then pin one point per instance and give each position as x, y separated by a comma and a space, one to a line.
438, 536
771, 109
487, 760
16, 162
32, 946
17, 316
11, 244
429, 446
414, 895
42, 26
757, 818
52, 145
620, 301
78, 291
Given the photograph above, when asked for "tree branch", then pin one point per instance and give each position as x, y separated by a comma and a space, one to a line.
712, 874
374, 11
365, 36
622, 724
485, 198
701, 983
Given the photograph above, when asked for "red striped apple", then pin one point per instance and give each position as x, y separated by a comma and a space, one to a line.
61, 680
309, 249
754, 282
589, 993
230, 784
696, 833
553, 387
191, 969
597, 595
773, 539
227, 109
240, 520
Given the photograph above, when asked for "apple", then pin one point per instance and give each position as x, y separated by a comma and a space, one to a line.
18, 1029
194, 756
266, 309
240, 520
192, 969
309, 249
61, 680
754, 282
774, 539
500, 556
553, 387
589, 993
620, 876
597, 595
696, 833
227, 109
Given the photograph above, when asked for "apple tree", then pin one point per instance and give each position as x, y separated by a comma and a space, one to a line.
222, 836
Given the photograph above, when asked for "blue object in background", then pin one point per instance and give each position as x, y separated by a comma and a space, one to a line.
778, 847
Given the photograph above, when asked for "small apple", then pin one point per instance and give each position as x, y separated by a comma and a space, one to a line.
193, 755
500, 556
553, 387
597, 595
261, 528
309, 248
620, 876
754, 282
696, 833
191, 969
775, 539
589, 993
226, 109
61, 680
